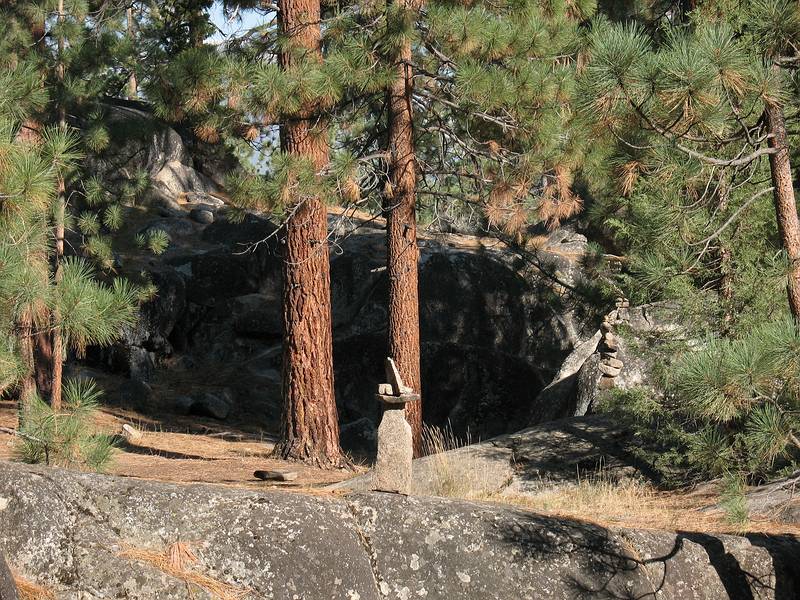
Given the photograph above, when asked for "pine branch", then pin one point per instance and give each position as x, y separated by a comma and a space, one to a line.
724, 226
22, 434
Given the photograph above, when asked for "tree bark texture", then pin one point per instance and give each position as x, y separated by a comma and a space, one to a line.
785, 205
310, 424
61, 208
27, 387
401, 235
43, 360
132, 86
57, 337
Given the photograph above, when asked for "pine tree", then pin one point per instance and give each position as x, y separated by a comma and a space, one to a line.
740, 397
53, 302
689, 115
310, 423
691, 122
79, 68
402, 251
92, 313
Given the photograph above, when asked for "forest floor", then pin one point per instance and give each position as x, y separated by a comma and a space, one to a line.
191, 450
188, 450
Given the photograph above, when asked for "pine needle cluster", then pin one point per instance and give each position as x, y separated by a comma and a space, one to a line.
65, 438
34, 158
743, 394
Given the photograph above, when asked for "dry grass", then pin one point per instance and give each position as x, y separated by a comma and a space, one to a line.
601, 500
29, 590
598, 497
452, 474
176, 561
635, 504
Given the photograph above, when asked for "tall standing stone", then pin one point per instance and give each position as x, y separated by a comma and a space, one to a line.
395, 452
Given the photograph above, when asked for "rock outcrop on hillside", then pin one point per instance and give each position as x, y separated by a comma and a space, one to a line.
526, 461
90, 537
621, 355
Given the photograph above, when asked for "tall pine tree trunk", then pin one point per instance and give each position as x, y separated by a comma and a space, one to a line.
785, 206
27, 387
401, 235
310, 428
60, 214
42, 343
132, 86
43, 361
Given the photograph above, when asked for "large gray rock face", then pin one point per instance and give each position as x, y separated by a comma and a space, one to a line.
776, 501
70, 531
140, 142
492, 331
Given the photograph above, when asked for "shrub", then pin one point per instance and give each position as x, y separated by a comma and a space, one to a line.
66, 438
742, 396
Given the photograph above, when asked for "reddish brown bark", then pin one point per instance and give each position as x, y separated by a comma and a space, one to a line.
58, 343
310, 424
27, 387
785, 206
132, 91
43, 360
57, 338
42, 343
401, 236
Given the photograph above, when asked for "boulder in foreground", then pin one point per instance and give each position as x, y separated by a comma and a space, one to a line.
90, 537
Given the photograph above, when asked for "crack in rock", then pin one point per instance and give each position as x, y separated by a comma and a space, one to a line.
381, 586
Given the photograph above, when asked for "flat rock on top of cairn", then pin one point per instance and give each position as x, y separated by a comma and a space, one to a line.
395, 392
393, 376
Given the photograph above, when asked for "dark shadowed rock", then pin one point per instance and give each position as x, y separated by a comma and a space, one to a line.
564, 391
202, 215
216, 405
493, 332
70, 531
136, 394
173, 227
257, 315
359, 437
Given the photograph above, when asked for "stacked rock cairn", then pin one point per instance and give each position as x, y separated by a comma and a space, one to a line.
610, 364
395, 446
